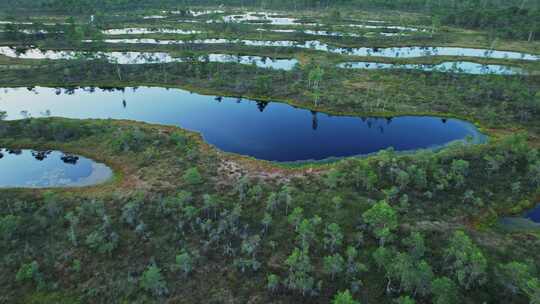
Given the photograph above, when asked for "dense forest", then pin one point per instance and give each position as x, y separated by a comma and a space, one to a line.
401, 4
516, 19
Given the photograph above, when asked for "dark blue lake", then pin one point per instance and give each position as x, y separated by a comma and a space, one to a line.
44, 169
534, 214
269, 131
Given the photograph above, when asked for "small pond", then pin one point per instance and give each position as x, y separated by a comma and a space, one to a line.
464, 67
264, 130
262, 62
155, 17
280, 20
527, 221
534, 214
388, 27
194, 13
260, 17
311, 32
44, 169
16, 22
391, 52
147, 57
142, 31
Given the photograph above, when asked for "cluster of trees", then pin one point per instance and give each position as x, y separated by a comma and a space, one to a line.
84, 6
61, 131
328, 237
71, 34
512, 22
429, 176
515, 19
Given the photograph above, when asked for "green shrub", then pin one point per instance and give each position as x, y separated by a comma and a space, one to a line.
192, 176
152, 281
8, 226
30, 273
344, 297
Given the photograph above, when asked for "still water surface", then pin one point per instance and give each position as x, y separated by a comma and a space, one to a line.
390, 52
534, 214
462, 67
147, 57
44, 169
269, 131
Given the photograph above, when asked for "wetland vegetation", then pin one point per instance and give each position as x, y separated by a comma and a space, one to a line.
269, 151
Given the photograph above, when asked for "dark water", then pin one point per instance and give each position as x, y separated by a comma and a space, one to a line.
529, 220
43, 169
270, 131
534, 214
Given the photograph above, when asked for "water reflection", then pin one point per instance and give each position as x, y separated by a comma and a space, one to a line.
394, 52
387, 27
70, 159
142, 31
40, 155
193, 13
534, 214
311, 32
281, 20
529, 220
260, 17
463, 67
261, 105
264, 130
155, 17
314, 121
146, 57
43, 169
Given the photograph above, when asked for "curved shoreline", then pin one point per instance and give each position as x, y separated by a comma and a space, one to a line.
200, 113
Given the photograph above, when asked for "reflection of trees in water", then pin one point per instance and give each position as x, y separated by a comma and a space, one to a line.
66, 90
40, 155
14, 151
314, 121
25, 114
112, 89
72, 90
261, 105
69, 159
377, 122
46, 113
